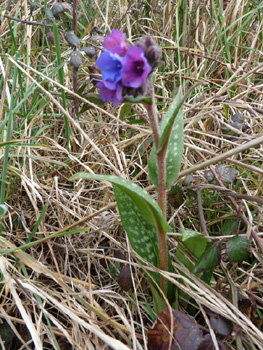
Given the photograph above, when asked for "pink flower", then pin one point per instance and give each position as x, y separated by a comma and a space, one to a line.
115, 42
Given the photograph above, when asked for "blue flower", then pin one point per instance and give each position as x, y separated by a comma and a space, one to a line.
111, 66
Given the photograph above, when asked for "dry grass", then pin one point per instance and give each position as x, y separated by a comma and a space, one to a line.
60, 291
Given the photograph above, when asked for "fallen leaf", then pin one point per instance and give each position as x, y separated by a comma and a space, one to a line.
186, 334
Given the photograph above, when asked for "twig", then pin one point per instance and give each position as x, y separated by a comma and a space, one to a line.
259, 300
223, 156
227, 191
37, 23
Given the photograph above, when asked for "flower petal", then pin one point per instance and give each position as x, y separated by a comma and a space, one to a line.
115, 42
113, 94
135, 68
111, 66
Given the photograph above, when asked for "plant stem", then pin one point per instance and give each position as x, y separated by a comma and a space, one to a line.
75, 70
153, 119
29, 22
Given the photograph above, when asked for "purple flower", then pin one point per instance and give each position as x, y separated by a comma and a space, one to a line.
110, 92
135, 68
115, 42
111, 65
125, 70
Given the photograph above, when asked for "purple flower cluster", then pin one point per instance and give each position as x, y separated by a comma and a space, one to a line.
122, 67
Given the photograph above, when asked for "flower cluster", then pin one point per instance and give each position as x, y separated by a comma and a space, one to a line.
124, 69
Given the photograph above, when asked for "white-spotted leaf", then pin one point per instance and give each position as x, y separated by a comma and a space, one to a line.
142, 235
141, 198
175, 146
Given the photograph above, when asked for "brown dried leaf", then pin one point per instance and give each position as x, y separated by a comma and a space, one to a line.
186, 334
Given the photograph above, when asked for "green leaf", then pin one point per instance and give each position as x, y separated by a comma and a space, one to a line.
153, 172
175, 150
125, 111
143, 238
149, 310
158, 302
228, 227
141, 198
142, 235
171, 131
169, 119
3, 210
210, 259
238, 249
195, 242
187, 234
138, 99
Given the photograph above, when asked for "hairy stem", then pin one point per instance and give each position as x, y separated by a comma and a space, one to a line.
153, 119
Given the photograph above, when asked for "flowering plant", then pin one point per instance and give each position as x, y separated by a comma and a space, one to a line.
126, 75
125, 70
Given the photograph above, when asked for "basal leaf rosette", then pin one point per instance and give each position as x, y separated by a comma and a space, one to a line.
126, 71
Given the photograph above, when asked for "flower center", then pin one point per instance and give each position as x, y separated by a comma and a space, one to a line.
139, 65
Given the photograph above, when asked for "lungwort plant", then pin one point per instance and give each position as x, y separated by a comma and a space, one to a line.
125, 75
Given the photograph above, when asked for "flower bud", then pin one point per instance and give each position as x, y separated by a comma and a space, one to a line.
124, 279
75, 59
152, 51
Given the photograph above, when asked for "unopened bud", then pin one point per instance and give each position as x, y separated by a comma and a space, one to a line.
152, 51
75, 59
124, 279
